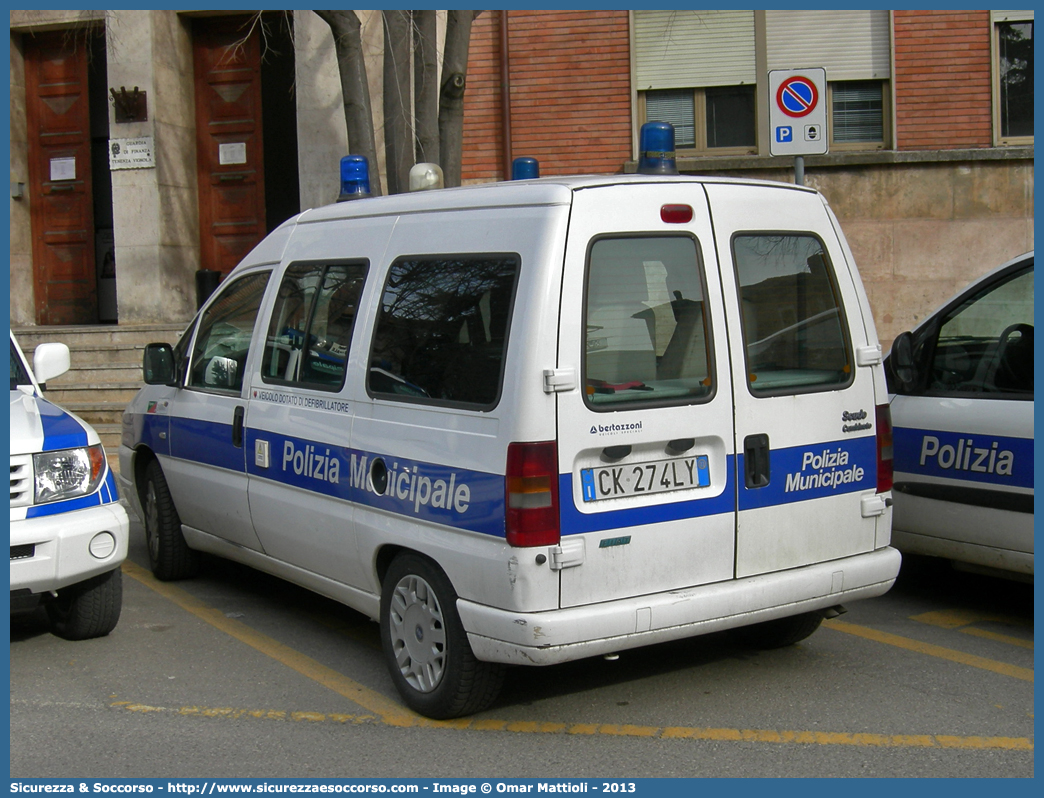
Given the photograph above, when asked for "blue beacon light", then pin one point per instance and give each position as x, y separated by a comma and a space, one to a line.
656, 149
525, 168
355, 178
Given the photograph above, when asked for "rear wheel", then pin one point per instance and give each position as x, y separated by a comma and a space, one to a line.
88, 609
425, 646
169, 555
780, 632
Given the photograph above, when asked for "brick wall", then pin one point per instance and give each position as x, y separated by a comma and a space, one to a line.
569, 73
942, 80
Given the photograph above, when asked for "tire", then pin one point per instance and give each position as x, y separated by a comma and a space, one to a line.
425, 646
169, 556
779, 633
87, 609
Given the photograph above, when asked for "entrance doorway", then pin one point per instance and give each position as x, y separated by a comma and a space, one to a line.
246, 133
69, 185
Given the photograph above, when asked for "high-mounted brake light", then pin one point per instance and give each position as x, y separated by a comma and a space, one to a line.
525, 168
656, 149
355, 178
676, 214
884, 449
531, 494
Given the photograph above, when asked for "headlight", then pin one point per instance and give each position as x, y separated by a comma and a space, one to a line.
68, 473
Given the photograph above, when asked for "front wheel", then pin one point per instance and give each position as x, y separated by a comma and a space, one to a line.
425, 646
779, 633
169, 554
88, 609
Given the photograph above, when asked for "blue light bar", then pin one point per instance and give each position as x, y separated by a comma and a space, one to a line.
355, 178
525, 168
656, 149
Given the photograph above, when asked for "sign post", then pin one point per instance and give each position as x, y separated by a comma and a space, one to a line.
798, 115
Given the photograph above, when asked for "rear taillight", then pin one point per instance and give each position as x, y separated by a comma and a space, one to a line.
531, 494
884, 448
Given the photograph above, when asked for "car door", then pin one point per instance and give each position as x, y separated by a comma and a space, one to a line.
964, 430
205, 470
803, 365
645, 438
299, 423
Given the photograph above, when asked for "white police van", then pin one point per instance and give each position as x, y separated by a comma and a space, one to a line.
68, 530
533, 421
963, 414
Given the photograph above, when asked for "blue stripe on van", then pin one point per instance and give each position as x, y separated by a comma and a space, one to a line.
814, 471
437, 494
60, 430
205, 442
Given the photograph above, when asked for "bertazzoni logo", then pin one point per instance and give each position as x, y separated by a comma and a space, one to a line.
615, 429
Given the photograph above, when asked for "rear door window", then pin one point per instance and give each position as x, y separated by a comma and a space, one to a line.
794, 329
647, 335
442, 329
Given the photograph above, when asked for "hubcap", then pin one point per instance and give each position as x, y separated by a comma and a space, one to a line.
418, 635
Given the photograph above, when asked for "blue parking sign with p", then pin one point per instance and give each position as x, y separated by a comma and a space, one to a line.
784, 134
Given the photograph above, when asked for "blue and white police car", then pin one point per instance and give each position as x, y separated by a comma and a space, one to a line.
963, 427
68, 531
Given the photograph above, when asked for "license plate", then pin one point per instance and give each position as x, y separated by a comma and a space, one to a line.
639, 479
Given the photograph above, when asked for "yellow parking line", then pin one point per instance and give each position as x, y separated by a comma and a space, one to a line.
590, 729
953, 619
998, 637
1025, 674
390, 713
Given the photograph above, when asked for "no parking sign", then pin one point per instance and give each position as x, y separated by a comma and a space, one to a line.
797, 112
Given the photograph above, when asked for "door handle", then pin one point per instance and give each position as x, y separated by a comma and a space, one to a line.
237, 427
756, 461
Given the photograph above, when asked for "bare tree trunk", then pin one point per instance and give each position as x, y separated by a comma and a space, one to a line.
451, 105
398, 136
355, 87
426, 85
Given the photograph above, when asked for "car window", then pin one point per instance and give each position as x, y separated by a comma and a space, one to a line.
19, 375
794, 329
223, 341
311, 326
647, 336
442, 329
985, 345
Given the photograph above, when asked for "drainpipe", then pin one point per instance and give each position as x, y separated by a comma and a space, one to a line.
505, 94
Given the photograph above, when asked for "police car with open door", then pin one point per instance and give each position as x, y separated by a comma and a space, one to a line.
531, 422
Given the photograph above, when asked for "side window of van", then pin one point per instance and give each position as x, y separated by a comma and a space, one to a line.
311, 326
442, 329
223, 341
648, 339
793, 326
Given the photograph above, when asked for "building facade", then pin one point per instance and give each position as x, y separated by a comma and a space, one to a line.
930, 126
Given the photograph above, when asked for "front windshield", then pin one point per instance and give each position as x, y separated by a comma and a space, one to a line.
19, 374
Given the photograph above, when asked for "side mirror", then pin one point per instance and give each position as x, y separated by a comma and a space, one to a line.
50, 361
158, 365
901, 365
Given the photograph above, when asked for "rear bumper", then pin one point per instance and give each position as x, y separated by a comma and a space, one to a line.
54, 551
545, 638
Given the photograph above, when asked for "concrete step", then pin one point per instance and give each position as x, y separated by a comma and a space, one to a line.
95, 413
115, 392
100, 334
